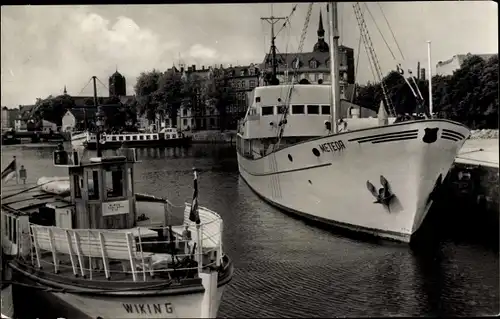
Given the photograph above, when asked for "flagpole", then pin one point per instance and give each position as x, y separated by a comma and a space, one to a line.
17, 175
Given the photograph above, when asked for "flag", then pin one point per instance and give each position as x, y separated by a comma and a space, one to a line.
194, 216
10, 171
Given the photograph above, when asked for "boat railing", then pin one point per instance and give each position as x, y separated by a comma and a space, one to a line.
98, 253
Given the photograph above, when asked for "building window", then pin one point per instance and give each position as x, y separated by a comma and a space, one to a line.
185, 122
267, 110
252, 71
212, 121
325, 109
242, 73
313, 64
184, 112
313, 109
252, 84
243, 84
298, 109
114, 181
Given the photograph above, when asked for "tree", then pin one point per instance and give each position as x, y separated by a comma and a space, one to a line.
146, 90
53, 108
469, 96
220, 95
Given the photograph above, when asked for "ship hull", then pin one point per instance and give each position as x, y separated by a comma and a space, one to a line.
326, 178
170, 302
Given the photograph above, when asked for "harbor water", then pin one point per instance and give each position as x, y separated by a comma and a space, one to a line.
285, 267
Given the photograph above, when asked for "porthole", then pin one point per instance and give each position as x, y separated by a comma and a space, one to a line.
316, 152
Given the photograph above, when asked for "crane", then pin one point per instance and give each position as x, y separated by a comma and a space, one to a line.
372, 56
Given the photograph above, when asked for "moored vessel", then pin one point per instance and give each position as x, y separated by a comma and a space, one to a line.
374, 177
91, 242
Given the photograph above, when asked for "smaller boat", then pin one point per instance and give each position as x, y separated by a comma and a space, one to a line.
166, 137
89, 241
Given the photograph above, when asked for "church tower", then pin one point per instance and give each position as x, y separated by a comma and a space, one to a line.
321, 45
117, 85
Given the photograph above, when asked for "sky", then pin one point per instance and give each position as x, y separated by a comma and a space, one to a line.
45, 48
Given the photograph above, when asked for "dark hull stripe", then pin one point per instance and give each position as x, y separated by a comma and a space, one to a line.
452, 135
289, 170
334, 223
383, 138
368, 138
453, 132
387, 140
454, 139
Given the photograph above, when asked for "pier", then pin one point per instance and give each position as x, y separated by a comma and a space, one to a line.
16, 137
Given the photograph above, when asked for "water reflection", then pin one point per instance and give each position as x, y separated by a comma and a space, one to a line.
286, 267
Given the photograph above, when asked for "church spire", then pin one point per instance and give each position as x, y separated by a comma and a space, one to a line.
321, 31
65, 91
321, 45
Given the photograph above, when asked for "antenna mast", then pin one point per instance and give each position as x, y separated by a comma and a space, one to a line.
272, 20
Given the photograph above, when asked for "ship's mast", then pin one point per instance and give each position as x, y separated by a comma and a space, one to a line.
98, 115
334, 62
272, 20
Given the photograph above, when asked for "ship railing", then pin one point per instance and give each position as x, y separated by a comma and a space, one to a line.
139, 250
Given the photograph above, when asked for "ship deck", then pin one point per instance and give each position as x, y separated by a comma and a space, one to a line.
482, 152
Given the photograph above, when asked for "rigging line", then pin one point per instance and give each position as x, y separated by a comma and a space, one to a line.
379, 31
390, 29
85, 87
287, 21
102, 84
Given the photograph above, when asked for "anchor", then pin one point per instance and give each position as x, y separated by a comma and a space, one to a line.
384, 194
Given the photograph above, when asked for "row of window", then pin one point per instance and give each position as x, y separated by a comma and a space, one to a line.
113, 180
296, 109
243, 85
140, 137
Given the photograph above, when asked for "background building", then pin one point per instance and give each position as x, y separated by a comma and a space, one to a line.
449, 66
313, 67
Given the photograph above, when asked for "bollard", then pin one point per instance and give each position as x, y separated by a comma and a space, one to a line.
22, 174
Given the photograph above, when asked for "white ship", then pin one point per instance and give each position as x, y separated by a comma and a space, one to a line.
366, 177
93, 243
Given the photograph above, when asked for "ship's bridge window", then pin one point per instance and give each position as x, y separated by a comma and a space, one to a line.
113, 138
148, 137
141, 137
325, 109
114, 181
267, 110
93, 185
127, 137
313, 109
155, 136
120, 138
134, 137
282, 109
298, 109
